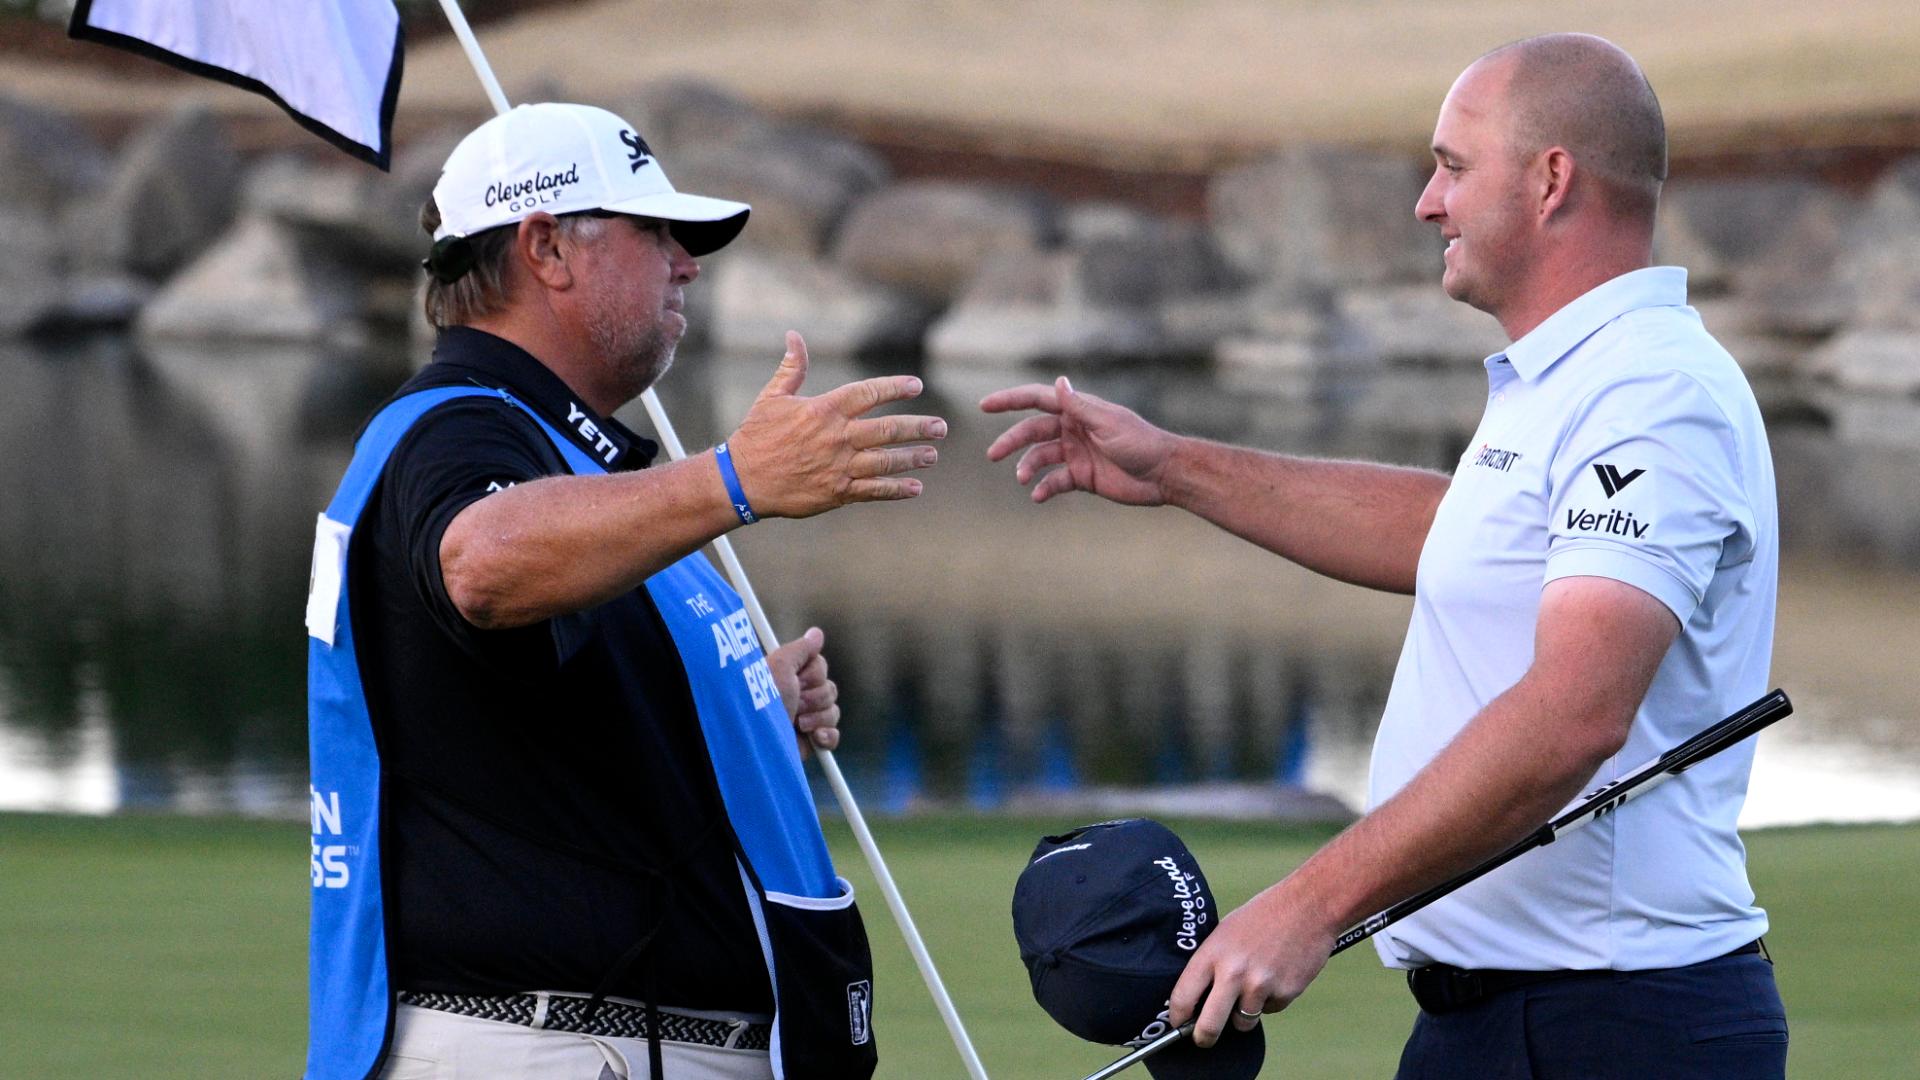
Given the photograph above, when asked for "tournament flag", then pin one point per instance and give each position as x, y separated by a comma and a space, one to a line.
334, 65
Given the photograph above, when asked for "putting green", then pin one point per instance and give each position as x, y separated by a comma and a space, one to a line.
173, 947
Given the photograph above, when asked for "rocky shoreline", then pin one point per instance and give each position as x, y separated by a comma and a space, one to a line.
1307, 268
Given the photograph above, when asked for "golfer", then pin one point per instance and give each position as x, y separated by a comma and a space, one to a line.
560, 827
1594, 582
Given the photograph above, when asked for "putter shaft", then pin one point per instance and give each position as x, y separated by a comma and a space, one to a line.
1604, 799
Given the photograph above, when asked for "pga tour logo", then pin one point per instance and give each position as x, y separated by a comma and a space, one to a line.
860, 1011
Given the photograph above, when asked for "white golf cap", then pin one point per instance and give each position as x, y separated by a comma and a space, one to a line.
562, 159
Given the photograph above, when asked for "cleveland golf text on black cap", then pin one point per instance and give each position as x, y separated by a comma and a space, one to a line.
1106, 917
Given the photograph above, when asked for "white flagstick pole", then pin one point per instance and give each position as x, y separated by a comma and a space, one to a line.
770, 641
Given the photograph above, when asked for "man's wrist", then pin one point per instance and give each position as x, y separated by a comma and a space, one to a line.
1178, 472
730, 478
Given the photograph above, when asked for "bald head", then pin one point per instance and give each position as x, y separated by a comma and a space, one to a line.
1585, 94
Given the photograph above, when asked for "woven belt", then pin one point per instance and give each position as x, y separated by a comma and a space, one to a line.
613, 1020
1443, 988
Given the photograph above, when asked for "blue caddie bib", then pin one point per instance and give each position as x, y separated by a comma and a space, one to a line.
810, 931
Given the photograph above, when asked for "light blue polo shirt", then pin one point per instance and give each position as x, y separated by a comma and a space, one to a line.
1619, 441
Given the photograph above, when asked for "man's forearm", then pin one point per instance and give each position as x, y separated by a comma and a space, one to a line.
564, 543
1355, 521
1512, 768
1515, 764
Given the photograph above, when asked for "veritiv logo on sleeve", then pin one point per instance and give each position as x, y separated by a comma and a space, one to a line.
1613, 480
1621, 523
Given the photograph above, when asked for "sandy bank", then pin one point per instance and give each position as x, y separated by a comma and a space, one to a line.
1153, 85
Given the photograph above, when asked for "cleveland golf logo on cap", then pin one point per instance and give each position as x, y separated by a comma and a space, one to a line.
563, 158
1192, 901
540, 188
1105, 933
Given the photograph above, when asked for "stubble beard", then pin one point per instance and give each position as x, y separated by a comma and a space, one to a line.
638, 354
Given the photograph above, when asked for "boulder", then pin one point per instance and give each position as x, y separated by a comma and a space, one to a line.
758, 296
931, 236
1879, 265
1741, 330
46, 159
1325, 216
1736, 219
30, 291
1792, 282
1289, 349
300, 191
1418, 408
174, 191
1867, 422
102, 300
1170, 268
1882, 362
341, 209
1025, 307
677, 115
1155, 262
1083, 223
1195, 324
1247, 360
1286, 315
798, 180
258, 283
1677, 241
390, 204
1417, 325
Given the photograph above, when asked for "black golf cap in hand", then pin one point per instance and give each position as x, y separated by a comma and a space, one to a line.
1107, 917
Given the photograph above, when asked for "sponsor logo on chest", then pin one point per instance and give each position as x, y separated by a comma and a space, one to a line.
591, 432
1494, 458
733, 642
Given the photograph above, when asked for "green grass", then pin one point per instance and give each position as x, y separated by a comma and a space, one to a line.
171, 947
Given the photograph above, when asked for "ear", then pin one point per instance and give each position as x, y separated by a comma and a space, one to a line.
538, 248
1553, 173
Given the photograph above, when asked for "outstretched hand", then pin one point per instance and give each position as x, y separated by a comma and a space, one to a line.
800, 456
800, 674
1098, 446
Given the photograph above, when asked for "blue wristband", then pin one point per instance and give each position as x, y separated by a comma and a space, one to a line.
734, 491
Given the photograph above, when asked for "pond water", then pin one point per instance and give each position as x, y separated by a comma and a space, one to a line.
158, 509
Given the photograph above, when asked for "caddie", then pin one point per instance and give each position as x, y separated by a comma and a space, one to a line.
1593, 583
560, 824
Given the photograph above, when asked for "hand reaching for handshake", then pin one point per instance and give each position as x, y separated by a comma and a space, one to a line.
800, 456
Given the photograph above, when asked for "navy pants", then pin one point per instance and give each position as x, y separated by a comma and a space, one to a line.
1717, 1020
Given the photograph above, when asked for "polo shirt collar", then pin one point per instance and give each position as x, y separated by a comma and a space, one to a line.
1564, 330
499, 364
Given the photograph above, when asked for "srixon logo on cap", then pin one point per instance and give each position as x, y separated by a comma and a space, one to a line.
1193, 906
638, 152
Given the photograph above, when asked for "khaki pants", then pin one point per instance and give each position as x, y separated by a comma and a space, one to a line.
433, 1045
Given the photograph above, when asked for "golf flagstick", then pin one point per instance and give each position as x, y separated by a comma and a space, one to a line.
1603, 800
768, 640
